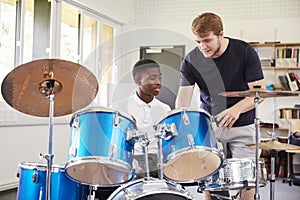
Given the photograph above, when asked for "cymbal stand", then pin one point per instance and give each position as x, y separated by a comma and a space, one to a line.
272, 175
257, 122
48, 88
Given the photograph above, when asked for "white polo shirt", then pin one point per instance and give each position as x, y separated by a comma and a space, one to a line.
146, 115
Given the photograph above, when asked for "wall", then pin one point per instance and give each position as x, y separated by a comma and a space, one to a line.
168, 22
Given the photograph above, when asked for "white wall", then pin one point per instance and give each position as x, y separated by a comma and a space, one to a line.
168, 22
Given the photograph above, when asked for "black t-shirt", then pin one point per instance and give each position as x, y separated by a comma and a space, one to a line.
231, 71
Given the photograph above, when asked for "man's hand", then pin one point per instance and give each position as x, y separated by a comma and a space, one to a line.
227, 118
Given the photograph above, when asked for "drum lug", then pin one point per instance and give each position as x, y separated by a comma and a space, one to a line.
113, 151
185, 118
72, 151
191, 140
75, 123
131, 135
116, 120
35, 176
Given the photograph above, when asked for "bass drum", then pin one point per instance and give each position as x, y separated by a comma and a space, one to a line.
150, 189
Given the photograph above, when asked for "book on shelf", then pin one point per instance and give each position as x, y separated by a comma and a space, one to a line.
284, 83
293, 85
287, 57
286, 62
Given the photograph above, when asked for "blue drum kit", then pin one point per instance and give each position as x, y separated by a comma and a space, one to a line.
101, 149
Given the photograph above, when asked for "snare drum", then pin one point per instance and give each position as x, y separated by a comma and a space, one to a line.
101, 149
32, 183
237, 173
150, 189
191, 153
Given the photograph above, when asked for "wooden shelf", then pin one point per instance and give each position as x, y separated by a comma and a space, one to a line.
281, 68
285, 44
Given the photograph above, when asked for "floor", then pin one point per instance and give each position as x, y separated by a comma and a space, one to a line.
281, 191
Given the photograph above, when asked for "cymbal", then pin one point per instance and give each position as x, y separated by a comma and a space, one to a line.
261, 92
27, 88
293, 151
275, 145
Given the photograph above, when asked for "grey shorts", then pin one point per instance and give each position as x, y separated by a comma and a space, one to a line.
236, 139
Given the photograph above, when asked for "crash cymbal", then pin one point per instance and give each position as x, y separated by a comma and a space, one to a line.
275, 145
27, 87
261, 92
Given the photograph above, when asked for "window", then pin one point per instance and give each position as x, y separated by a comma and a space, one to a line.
106, 61
70, 17
7, 37
28, 32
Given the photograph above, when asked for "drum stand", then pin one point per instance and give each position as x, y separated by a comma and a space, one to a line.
163, 132
144, 142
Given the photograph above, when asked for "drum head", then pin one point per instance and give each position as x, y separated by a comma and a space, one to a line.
99, 171
153, 189
193, 165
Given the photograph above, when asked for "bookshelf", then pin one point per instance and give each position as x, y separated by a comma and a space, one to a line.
278, 55
278, 61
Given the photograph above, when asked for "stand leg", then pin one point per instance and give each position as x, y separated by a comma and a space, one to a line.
145, 151
288, 178
272, 175
160, 159
49, 157
257, 122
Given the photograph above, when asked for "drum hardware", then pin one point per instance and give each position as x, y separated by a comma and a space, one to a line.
284, 115
160, 158
113, 152
185, 118
30, 88
165, 131
274, 146
144, 143
150, 188
190, 153
191, 140
107, 164
117, 120
32, 183
258, 93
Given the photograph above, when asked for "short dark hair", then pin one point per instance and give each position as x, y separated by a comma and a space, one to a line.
142, 65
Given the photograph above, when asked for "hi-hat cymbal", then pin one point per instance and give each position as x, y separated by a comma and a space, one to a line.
260, 92
27, 87
275, 145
